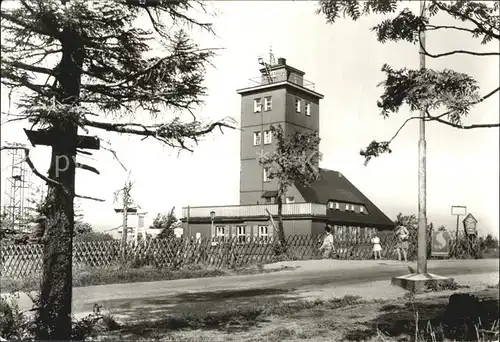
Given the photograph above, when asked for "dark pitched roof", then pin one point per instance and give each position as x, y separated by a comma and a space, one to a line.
269, 193
333, 186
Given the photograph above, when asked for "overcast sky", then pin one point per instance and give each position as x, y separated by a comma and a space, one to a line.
344, 60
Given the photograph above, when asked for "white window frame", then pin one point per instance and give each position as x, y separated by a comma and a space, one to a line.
268, 137
263, 234
241, 235
352, 207
268, 103
347, 206
219, 229
266, 171
257, 138
257, 105
330, 204
290, 199
298, 105
337, 205
307, 107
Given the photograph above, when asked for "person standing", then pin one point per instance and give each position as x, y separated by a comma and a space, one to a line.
402, 235
377, 248
327, 246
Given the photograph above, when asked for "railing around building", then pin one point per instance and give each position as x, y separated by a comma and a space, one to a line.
289, 209
295, 79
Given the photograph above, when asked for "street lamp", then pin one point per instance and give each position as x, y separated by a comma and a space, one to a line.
212, 217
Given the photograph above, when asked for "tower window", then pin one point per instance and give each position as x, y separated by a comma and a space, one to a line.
290, 199
308, 108
267, 137
297, 105
267, 172
257, 138
268, 103
257, 105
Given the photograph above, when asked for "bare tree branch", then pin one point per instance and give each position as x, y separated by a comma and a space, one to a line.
38, 174
166, 133
457, 51
376, 148
457, 125
449, 27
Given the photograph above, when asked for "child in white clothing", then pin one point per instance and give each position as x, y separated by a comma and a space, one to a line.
376, 247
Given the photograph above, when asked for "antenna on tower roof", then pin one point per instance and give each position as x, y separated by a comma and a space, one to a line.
272, 61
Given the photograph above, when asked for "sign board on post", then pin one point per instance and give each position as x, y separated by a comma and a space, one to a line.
470, 225
440, 243
459, 210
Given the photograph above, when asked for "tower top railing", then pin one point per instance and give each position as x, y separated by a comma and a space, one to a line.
292, 78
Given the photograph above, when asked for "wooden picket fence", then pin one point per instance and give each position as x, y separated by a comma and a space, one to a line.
22, 260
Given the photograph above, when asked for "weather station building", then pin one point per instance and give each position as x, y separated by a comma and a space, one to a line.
281, 95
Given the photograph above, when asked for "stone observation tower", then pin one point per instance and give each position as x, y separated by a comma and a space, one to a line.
281, 95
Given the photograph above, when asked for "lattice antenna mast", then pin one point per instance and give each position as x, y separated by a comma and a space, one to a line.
18, 183
272, 60
268, 66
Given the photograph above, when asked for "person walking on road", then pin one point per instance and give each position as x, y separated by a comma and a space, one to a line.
402, 235
327, 246
377, 248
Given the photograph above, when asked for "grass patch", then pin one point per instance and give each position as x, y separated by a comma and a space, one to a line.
116, 274
339, 319
230, 320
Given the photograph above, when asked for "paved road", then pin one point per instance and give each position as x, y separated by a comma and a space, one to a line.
335, 277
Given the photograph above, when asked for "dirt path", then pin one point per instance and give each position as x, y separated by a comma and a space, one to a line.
308, 279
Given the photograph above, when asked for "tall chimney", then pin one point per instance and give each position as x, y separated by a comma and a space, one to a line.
281, 61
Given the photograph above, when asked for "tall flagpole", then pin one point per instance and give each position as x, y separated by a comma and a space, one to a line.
422, 184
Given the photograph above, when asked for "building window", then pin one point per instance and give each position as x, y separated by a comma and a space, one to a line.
263, 233
363, 210
268, 199
337, 206
257, 105
267, 172
220, 232
268, 103
241, 234
290, 199
330, 205
352, 207
297, 105
308, 109
267, 137
347, 207
257, 138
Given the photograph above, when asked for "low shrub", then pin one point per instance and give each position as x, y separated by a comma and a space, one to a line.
16, 325
13, 323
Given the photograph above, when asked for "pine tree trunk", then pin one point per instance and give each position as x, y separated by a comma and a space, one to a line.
54, 312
